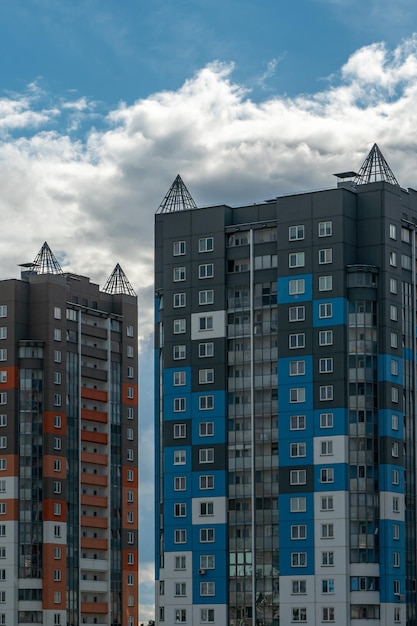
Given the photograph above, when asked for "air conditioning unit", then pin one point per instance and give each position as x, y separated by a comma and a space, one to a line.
201, 572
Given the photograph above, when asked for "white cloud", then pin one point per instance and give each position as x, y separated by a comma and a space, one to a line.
94, 198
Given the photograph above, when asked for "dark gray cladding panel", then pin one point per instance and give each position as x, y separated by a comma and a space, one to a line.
168, 436
284, 479
220, 458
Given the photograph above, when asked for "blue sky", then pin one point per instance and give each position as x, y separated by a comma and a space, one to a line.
103, 102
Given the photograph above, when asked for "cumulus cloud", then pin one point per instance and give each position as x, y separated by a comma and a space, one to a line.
93, 196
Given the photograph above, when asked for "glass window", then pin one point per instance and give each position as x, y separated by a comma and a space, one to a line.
296, 286
297, 422
325, 310
206, 403
325, 256
296, 340
179, 274
206, 270
325, 229
297, 395
206, 349
296, 259
206, 244
298, 477
178, 248
206, 296
296, 314
179, 300
296, 232
298, 504
325, 283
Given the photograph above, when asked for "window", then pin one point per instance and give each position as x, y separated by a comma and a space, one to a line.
297, 395
206, 482
397, 587
179, 300
57, 399
179, 274
392, 231
129, 330
296, 286
326, 448
326, 420
2, 530
206, 270
396, 532
180, 589
3, 508
57, 574
298, 559
394, 312
327, 531
3, 332
57, 597
130, 413
180, 536
395, 449
2, 486
325, 310
207, 535
406, 262
206, 376
326, 393
296, 340
394, 421
3, 462
179, 457
3, 376
179, 378
327, 585
130, 580
180, 509
206, 403
296, 259
3, 310
327, 475
296, 232
180, 616
207, 561
327, 559
57, 443
325, 283
298, 477
393, 287
298, 505
57, 378
179, 405
206, 429
57, 465
179, 353
325, 365
206, 508
3, 354
325, 256
179, 326
206, 615
206, 244
206, 455
57, 356
207, 589
394, 367
298, 531
396, 504
57, 421
206, 296
180, 562
297, 422
178, 248
325, 229
57, 313
395, 477
299, 615
297, 449
206, 349
397, 615
393, 258
180, 431
394, 340
129, 352
328, 613
205, 322
130, 475
57, 334
326, 503
130, 497
325, 338
297, 368
396, 559
179, 483
395, 395
296, 314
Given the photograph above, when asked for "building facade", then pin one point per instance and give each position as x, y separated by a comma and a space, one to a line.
68, 457
285, 411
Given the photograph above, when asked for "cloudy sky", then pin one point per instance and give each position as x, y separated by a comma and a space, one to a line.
102, 103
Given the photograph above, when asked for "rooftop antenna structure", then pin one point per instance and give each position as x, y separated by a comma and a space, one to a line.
118, 283
178, 198
374, 169
45, 262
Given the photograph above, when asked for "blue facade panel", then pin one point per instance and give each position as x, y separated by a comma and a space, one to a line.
385, 423
285, 561
340, 480
283, 294
386, 476
220, 484
385, 362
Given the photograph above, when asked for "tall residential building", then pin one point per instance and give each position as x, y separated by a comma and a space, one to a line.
286, 400
68, 449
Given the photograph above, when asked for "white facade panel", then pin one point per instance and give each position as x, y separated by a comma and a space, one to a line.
218, 325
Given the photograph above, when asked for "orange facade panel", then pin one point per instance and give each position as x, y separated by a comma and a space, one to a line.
49, 422
49, 512
8, 509
94, 607
99, 501
49, 466
50, 586
130, 393
11, 381
94, 479
94, 457
91, 543
94, 522
90, 435
94, 416
130, 477
94, 394
11, 465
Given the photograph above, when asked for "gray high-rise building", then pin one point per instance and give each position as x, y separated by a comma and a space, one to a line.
286, 403
68, 448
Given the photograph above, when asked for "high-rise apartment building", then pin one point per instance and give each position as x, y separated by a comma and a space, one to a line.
286, 402
68, 449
